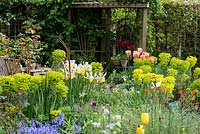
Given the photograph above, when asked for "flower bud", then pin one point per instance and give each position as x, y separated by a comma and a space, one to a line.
145, 118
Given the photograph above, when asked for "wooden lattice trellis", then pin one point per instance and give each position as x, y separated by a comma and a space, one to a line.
110, 5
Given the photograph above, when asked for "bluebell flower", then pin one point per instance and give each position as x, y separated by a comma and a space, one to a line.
77, 129
44, 129
78, 110
38, 128
59, 121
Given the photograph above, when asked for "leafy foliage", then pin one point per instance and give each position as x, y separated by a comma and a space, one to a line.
54, 16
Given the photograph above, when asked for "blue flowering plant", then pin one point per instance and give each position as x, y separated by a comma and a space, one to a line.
37, 127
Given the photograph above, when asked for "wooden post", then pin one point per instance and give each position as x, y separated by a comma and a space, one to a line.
144, 28
69, 15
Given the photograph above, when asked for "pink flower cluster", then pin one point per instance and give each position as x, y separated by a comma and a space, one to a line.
143, 55
125, 44
140, 54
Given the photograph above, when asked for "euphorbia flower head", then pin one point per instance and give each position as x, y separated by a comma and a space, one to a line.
128, 53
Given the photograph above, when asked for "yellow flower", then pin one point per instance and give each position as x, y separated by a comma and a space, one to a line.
83, 69
137, 75
168, 84
148, 78
146, 69
72, 75
140, 129
91, 79
55, 113
159, 78
196, 72
145, 118
172, 72
78, 70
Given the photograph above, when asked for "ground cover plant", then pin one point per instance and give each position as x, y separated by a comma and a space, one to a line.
157, 96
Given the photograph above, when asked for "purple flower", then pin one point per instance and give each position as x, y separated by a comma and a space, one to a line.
111, 88
78, 110
77, 129
59, 121
94, 104
38, 128
125, 44
44, 129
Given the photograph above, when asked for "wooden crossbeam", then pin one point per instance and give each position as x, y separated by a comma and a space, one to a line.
108, 5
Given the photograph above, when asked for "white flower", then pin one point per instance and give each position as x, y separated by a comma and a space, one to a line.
90, 76
106, 111
158, 84
104, 132
124, 78
101, 77
110, 126
96, 124
117, 117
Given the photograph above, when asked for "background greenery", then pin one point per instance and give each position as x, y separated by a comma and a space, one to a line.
172, 26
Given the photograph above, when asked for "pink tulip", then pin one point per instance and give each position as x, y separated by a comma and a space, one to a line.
146, 54
140, 50
128, 52
136, 54
142, 56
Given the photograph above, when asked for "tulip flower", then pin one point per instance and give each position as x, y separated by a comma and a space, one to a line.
136, 54
140, 50
146, 54
151, 60
128, 53
146, 91
145, 118
140, 129
194, 91
142, 56
196, 106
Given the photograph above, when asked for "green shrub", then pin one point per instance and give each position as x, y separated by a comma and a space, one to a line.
195, 84
44, 93
96, 67
58, 56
